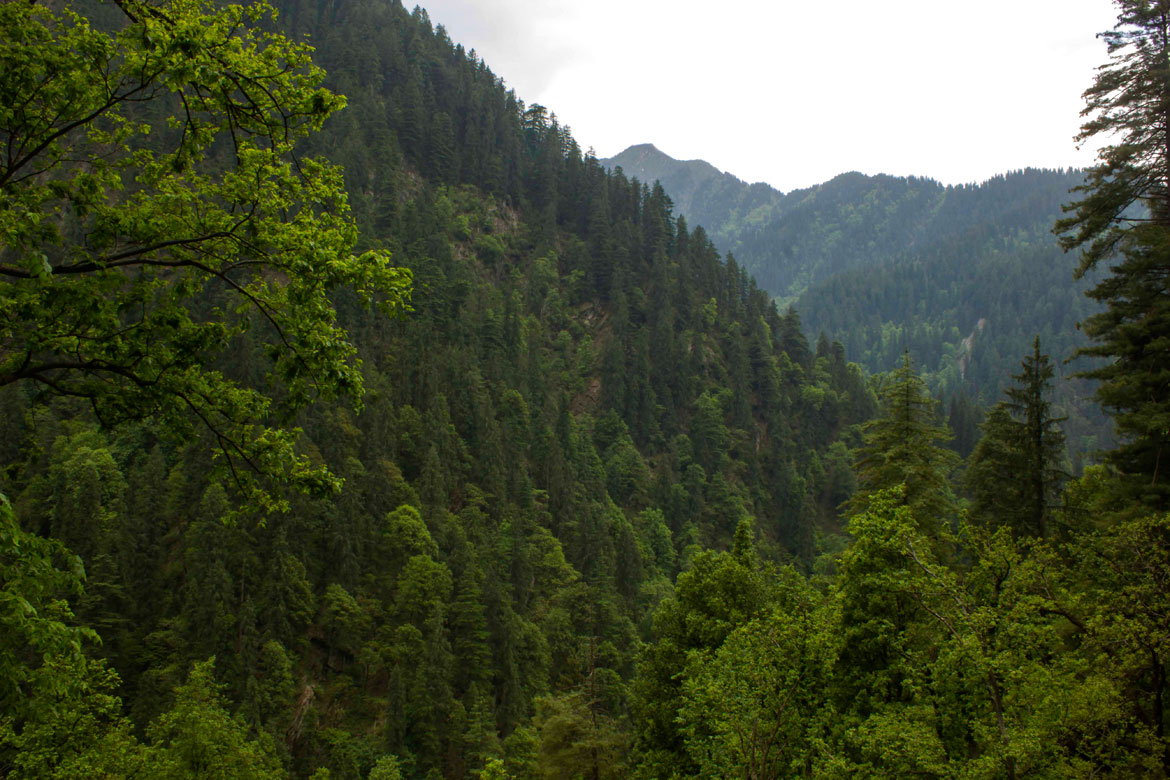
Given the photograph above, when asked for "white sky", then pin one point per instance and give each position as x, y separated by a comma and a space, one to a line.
792, 93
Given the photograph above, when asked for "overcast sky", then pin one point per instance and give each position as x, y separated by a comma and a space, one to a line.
793, 93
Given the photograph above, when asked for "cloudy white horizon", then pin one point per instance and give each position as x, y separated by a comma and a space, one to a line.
792, 96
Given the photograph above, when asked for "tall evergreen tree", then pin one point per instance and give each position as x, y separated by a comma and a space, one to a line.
1126, 212
1042, 439
903, 446
1015, 476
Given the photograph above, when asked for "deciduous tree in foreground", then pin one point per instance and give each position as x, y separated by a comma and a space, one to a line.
153, 211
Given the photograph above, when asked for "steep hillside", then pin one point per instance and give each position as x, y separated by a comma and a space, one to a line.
701, 192
791, 241
577, 514
963, 277
584, 398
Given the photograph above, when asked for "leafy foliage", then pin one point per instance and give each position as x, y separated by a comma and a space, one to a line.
139, 242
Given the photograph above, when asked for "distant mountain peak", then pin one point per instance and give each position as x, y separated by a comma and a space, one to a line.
691, 184
647, 161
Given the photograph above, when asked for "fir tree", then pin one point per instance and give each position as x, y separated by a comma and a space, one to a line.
1126, 212
1041, 439
903, 447
1015, 477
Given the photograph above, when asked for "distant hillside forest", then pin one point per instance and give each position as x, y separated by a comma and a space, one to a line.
964, 277
355, 425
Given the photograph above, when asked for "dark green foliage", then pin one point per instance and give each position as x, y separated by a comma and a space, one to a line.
1133, 333
1015, 474
903, 447
964, 418
587, 406
1124, 216
887, 264
585, 395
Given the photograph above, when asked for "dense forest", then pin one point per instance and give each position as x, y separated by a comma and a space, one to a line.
885, 264
392, 436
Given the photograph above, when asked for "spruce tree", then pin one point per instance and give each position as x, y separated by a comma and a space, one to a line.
903, 447
1125, 213
1042, 439
1014, 476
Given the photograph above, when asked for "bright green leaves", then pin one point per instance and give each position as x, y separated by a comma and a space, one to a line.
973, 671
975, 656
59, 717
36, 575
202, 740
133, 261
757, 706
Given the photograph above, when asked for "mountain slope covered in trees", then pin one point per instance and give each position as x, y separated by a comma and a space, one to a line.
577, 514
584, 398
964, 277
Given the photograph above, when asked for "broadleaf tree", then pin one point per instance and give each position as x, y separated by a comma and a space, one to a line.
153, 210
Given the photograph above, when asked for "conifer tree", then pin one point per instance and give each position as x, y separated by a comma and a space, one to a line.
903, 446
1014, 476
1028, 492
991, 477
1125, 212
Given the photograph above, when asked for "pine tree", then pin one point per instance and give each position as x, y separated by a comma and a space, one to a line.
1126, 212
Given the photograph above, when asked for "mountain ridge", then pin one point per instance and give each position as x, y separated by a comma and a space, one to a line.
886, 264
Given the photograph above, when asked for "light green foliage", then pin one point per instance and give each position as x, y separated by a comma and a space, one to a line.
203, 741
76, 732
406, 535
1120, 564
755, 707
986, 683
716, 595
495, 771
137, 246
343, 619
575, 740
87, 491
37, 576
386, 768
60, 718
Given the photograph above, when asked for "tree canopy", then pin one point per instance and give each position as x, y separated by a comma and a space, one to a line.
154, 210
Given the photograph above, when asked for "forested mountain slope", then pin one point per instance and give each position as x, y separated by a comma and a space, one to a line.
584, 397
723, 204
962, 276
593, 508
